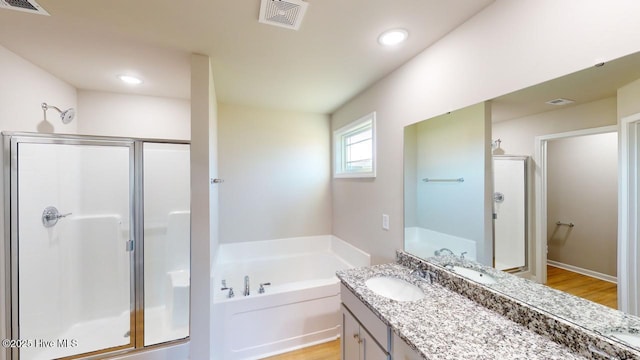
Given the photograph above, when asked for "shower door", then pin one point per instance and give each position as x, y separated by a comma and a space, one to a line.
510, 209
71, 259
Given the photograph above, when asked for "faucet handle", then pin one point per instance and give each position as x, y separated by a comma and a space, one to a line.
231, 294
261, 289
224, 283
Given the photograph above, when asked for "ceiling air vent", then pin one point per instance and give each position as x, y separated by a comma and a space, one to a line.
560, 101
283, 13
29, 6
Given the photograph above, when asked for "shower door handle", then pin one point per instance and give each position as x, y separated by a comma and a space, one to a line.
51, 215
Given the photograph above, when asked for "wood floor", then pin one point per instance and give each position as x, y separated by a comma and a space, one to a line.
602, 292
326, 351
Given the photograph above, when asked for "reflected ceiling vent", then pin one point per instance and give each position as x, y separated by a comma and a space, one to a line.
29, 6
560, 101
283, 13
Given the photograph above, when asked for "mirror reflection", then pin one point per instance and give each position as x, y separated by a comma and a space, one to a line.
553, 184
445, 159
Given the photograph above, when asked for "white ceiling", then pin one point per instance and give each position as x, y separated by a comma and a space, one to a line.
332, 58
584, 86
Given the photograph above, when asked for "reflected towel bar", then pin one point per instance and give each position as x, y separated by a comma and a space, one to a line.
443, 180
565, 224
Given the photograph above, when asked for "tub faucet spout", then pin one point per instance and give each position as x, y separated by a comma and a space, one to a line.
443, 251
246, 286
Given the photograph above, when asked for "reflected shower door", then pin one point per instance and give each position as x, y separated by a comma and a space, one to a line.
73, 275
510, 225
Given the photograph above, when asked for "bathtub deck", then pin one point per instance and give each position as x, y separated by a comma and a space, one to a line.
326, 351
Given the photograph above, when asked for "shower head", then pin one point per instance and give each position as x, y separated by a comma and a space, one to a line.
66, 116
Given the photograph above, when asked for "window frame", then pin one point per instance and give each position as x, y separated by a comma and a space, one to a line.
339, 161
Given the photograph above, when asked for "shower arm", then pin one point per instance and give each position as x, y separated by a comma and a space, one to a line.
46, 107
66, 116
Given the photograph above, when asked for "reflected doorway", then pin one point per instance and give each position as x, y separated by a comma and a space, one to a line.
577, 214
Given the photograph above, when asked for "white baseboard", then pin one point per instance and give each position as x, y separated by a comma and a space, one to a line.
593, 274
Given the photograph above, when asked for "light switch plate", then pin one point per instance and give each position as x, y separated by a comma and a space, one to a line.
385, 221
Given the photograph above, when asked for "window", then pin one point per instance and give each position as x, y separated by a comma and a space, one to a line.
354, 148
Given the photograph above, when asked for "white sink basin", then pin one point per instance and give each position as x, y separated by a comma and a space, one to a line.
629, 338
475, 275
394, 288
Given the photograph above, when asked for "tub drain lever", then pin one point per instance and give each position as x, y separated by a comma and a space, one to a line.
261, 289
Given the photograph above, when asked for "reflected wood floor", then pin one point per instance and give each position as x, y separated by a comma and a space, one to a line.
602, 292
327, 351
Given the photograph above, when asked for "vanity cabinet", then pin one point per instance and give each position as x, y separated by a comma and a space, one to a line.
402, 351
357, 343
364, 336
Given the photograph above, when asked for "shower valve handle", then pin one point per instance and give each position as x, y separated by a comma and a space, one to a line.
60, 216
51, 215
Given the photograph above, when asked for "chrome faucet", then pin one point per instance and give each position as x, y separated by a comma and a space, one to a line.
426, 275
246, 286
261, 289
442, 251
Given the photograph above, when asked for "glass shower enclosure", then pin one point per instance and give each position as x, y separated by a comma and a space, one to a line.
97, 236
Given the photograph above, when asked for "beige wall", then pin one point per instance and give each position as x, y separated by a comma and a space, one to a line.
508, 46
628, 99
452, 146
127, 115
582, 188
204, 204
276, 171
518, 135
23, 88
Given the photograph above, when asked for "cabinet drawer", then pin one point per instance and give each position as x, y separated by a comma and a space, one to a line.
375, 326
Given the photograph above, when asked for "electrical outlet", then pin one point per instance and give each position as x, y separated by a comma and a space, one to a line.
385, 221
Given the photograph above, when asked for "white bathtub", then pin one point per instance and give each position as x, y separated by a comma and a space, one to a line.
299, 308
424, 242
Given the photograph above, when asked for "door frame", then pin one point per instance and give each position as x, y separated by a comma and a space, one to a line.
628, 207
540, 161
11, 142
9, 319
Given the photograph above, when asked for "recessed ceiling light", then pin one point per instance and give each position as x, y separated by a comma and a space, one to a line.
393, 37
131, 80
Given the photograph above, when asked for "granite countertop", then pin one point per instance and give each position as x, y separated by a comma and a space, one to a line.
582, 312
447, 325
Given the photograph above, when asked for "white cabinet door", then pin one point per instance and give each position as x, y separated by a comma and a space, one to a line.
402, 351
371, 350
357, 343
350, 337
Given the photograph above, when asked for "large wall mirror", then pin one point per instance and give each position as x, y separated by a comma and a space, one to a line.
445, 206
550, 180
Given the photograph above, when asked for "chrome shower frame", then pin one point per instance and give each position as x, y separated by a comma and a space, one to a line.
136, 191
